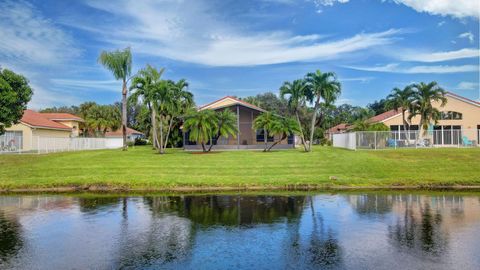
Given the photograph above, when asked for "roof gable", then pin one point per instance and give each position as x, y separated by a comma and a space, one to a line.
227, 102
118, 132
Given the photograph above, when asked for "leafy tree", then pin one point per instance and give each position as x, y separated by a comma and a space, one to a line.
15, 93
62, 109
298, 94
322, 86
378, 106
423, 97
226, 126
269, 102
202, 126
120, 64
400, 100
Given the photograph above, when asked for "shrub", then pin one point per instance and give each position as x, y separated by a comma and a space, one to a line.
139, 141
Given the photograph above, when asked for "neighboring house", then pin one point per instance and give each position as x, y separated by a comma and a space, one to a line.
340, 128
247, 137
34, 125
132, 134
460, 119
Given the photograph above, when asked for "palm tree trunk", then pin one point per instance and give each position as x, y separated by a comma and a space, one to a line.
312, 126
265, 139
302, 136
170, 124
284, 136
124, 114
161, 135
154, 127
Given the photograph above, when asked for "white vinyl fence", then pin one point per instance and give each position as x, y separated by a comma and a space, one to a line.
407, 139
40, 144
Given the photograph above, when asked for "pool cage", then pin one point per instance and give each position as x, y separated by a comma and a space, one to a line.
407, 139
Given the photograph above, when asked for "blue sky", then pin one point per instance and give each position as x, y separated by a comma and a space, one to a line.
227, 47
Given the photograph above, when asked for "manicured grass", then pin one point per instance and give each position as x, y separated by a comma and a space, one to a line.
142, 168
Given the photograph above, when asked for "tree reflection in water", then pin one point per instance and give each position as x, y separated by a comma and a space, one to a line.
10, 238
419, 230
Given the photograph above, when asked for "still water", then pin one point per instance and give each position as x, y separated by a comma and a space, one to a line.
322, 231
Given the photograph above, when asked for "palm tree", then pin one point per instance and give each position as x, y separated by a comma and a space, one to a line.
421, 105
180, 101
298, 94
322, 86
145, 85
120, 64
265, 121
202, 126
226, 126
283, 127
400, 99
101, 118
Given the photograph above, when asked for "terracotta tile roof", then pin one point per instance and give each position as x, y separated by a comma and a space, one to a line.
62, 116
385, 115
118, 132
338, 128
237, 101
36, 119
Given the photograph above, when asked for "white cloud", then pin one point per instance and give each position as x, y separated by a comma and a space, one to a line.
441, 23
439, 69
28, 37
440, 56
330, 2
192, 32
357, 79
85, 85
454, 8
467, 35
467, 86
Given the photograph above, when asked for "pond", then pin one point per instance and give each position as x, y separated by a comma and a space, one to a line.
302, 231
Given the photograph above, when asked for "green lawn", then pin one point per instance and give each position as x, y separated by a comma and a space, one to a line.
142, 168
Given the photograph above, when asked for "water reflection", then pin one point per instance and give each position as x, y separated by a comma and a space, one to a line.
343, 231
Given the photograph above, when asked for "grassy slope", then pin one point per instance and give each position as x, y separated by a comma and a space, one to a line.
142, 168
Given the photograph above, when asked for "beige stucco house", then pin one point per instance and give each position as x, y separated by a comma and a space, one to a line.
459, 124
34, 125
247, 137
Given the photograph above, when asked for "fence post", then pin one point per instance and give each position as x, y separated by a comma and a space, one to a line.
375, 133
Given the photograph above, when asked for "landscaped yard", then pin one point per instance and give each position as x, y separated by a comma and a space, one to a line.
142, 168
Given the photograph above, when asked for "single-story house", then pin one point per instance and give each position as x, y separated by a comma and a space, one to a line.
460, 120
34, 124
340, 128
247, 137
132, 134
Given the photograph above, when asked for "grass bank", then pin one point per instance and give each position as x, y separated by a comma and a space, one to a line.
326, 167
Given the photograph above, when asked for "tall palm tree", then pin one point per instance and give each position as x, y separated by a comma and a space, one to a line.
322, 86
119, 62
265, 121
145, 85
298, 94
180, 101
226, 126
202, 126
283, 127
423, 97
401, 99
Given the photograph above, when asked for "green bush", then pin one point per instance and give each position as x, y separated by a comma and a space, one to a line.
139, 141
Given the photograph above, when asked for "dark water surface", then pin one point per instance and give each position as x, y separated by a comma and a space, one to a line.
324, 231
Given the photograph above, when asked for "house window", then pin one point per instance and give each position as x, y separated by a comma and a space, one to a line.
450, 115
261, 136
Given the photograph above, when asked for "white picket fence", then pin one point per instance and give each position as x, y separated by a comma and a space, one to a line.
40, 144
407, 139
